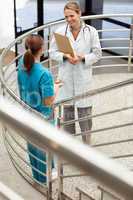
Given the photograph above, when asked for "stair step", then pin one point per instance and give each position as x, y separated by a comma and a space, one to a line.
108, 195
65, 196
85, 194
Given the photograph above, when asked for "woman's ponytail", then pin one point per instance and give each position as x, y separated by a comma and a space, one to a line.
28, 60
33, 44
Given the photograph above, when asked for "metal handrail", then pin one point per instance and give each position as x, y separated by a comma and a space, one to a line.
22, 159
8, 194
95, 91
57, 23
47, 26
90, 93
96, 115
104, 170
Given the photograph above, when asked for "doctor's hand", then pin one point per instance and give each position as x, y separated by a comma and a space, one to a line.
69, 58
72, 59
78, 58
81, 57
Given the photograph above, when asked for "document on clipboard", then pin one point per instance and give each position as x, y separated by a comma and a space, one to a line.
64, 44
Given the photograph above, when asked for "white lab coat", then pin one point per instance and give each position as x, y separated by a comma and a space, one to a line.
77, 78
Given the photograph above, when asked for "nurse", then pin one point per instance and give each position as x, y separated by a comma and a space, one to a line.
76, 72
36, 88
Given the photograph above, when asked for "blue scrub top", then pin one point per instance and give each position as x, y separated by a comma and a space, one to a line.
35, 86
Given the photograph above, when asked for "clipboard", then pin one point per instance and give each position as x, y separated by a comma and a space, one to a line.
64, 44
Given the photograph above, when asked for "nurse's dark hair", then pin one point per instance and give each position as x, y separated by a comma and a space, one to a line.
33, 43
73, 5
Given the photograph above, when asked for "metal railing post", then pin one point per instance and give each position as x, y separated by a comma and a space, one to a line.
2, 85
130, 47
49, 175
60, 167
49, 38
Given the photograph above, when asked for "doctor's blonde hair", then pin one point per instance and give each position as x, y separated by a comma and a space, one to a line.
73, 5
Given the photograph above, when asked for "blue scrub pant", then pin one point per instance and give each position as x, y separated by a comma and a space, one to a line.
42, 167
37, 164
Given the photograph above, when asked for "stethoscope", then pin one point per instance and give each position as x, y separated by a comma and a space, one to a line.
84, 29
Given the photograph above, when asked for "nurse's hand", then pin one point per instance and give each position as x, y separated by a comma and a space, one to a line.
57, 85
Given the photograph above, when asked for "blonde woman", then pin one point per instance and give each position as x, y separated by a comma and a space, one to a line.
76, 72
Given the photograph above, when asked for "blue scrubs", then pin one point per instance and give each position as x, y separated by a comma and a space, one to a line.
34, 87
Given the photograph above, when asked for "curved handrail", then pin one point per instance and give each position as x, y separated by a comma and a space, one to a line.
48, 26
78, 97
7, 193
95, 91
59, 22
56, 23
111, 174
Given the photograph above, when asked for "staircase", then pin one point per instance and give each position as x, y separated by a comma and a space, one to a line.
111, 133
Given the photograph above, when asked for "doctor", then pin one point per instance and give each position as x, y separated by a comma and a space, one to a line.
76, 72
